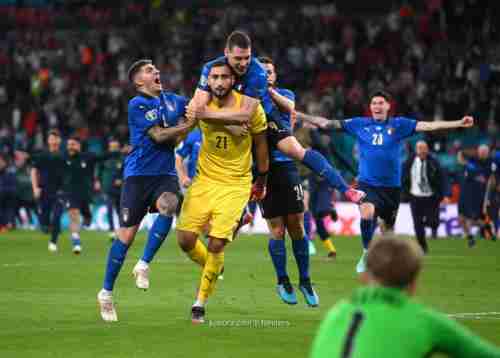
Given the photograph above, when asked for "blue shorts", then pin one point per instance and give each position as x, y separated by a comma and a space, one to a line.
284, 191
139, 194
470, 204
320, 201
385, 199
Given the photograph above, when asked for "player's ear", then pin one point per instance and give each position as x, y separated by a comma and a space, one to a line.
226, 51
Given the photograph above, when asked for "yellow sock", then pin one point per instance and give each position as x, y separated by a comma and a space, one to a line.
199, 253
328, 244
209, 275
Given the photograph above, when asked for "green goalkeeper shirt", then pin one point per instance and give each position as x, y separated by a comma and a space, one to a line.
380, 322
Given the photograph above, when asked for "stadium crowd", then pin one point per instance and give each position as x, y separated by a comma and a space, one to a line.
63, 65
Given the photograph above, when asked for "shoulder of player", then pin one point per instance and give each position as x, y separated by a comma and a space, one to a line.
140, 102
286, 92
257, 70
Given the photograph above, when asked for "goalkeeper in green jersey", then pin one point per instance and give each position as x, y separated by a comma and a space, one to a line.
381, 320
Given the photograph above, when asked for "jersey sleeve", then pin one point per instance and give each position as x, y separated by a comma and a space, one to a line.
352, 126
288, 94
203, 82
142, 116
259, 122
404, 127
181, 102
456, 341
256, 86
185, 147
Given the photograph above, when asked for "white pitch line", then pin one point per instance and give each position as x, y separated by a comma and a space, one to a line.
475, 315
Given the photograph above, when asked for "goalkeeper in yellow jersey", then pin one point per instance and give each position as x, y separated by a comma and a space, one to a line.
223, 183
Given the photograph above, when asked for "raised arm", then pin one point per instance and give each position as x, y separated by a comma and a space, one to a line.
465, 122
320, 122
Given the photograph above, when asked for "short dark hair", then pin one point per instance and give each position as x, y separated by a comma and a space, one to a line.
55, 132
136, 66
75, 137
380, 93
221, 63
239, 39
266, 60
394, 262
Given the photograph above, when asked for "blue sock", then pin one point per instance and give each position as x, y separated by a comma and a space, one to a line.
75, 239
319, 165
116, 256
307, 224
156, 236
277, 250
367, 227
301, 253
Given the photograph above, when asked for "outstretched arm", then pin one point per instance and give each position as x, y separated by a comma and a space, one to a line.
320, 122
465, 122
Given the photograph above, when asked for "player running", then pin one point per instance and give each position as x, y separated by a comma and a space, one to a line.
222, 186
380, 139
251, 80
155, 124
283, 208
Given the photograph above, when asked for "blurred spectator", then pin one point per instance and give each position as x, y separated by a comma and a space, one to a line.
7, 195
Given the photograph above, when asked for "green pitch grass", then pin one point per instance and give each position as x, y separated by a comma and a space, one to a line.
48, 301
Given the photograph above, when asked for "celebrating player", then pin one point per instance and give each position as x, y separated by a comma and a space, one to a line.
154, 119
222, 187
283, 209
379, 139
251, 80
186, 157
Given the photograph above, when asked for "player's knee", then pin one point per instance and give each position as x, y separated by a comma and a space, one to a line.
186, 241
295, 226
216, 245
167, 204
278, 232
367, 211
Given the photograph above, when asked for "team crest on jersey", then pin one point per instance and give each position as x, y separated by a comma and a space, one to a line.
152, 115
390, 130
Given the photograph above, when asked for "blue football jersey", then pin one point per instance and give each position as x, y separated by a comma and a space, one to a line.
253, 83
189, 149
144, 112
477, 172
380, 148
284, 121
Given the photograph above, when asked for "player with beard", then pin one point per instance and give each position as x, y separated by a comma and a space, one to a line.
223, 184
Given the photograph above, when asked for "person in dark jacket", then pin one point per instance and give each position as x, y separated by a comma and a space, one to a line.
424, 183
7, 195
